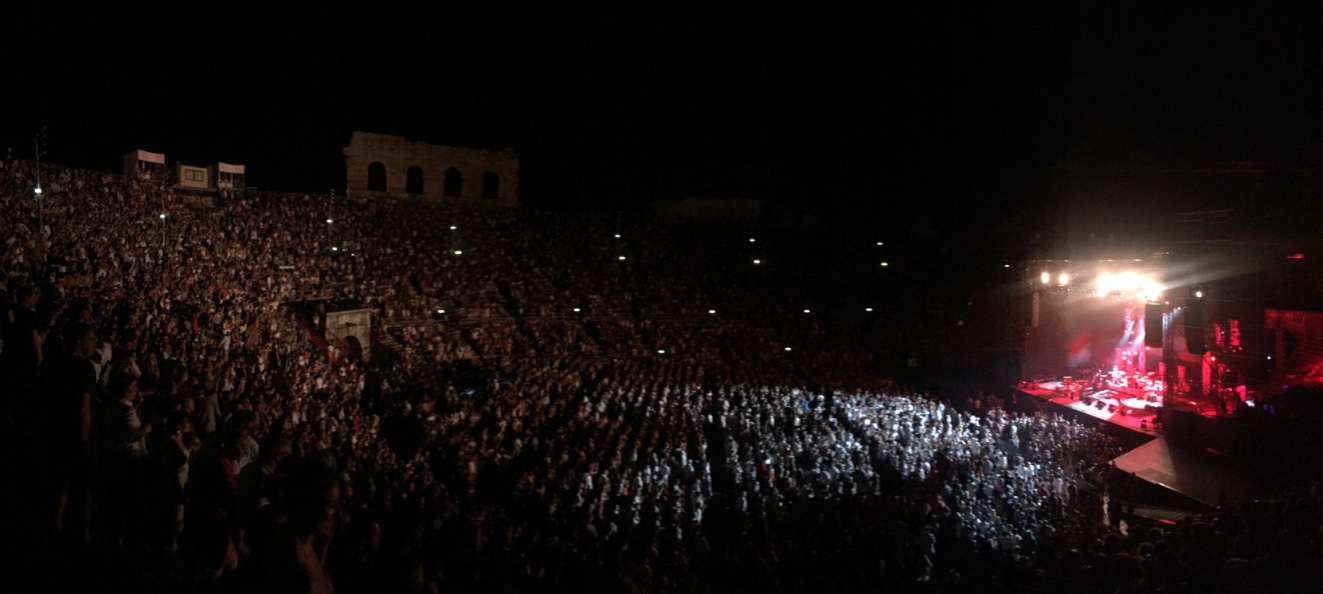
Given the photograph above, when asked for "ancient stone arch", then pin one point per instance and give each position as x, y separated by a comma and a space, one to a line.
454, 183
414, 182
376, 177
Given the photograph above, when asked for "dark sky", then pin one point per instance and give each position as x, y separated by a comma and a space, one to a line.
957, 109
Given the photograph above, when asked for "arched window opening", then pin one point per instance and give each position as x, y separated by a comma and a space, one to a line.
376, 177
454, 182
413, 184
491, 186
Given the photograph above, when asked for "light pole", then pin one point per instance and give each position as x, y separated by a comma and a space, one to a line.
38, 151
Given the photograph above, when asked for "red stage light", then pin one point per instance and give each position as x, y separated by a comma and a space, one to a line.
1296, 256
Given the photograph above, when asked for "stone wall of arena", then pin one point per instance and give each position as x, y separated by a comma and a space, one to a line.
393, 166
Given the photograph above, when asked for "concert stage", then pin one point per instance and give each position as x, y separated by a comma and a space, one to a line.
1124, 410
1196, 475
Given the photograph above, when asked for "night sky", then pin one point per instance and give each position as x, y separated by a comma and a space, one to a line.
959, 111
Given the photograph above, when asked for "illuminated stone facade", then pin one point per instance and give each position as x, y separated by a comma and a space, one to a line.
385, 165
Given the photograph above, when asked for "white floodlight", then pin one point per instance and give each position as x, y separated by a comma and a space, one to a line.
807, 311
1129, 281
452, 227
757, 261
622, 258
787, 348
884, 264
712, 311
576, 310
661, 351
1046, 277
1064, 279
329, 221
1152, 290
459, 252
1199, 294
1105, 284
752, 240
868, 309
617, 236
162, 216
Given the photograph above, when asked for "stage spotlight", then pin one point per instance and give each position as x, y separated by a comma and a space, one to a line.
1064, 279
1129, 281
622, 257
757, 261
807, 311
617, 236
884, 264
661, 351
752, 240
1152, 290
37, 190
787, 349
576, 310
1046, 277
1104, 284
335, 249
871, 309
329, 221
459, 252
162, 216
712, 311
452, 227
1199, 294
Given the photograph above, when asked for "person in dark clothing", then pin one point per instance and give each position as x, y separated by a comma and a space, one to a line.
64, 416
23, 342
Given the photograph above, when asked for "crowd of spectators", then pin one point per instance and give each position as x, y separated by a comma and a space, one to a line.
552, 401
